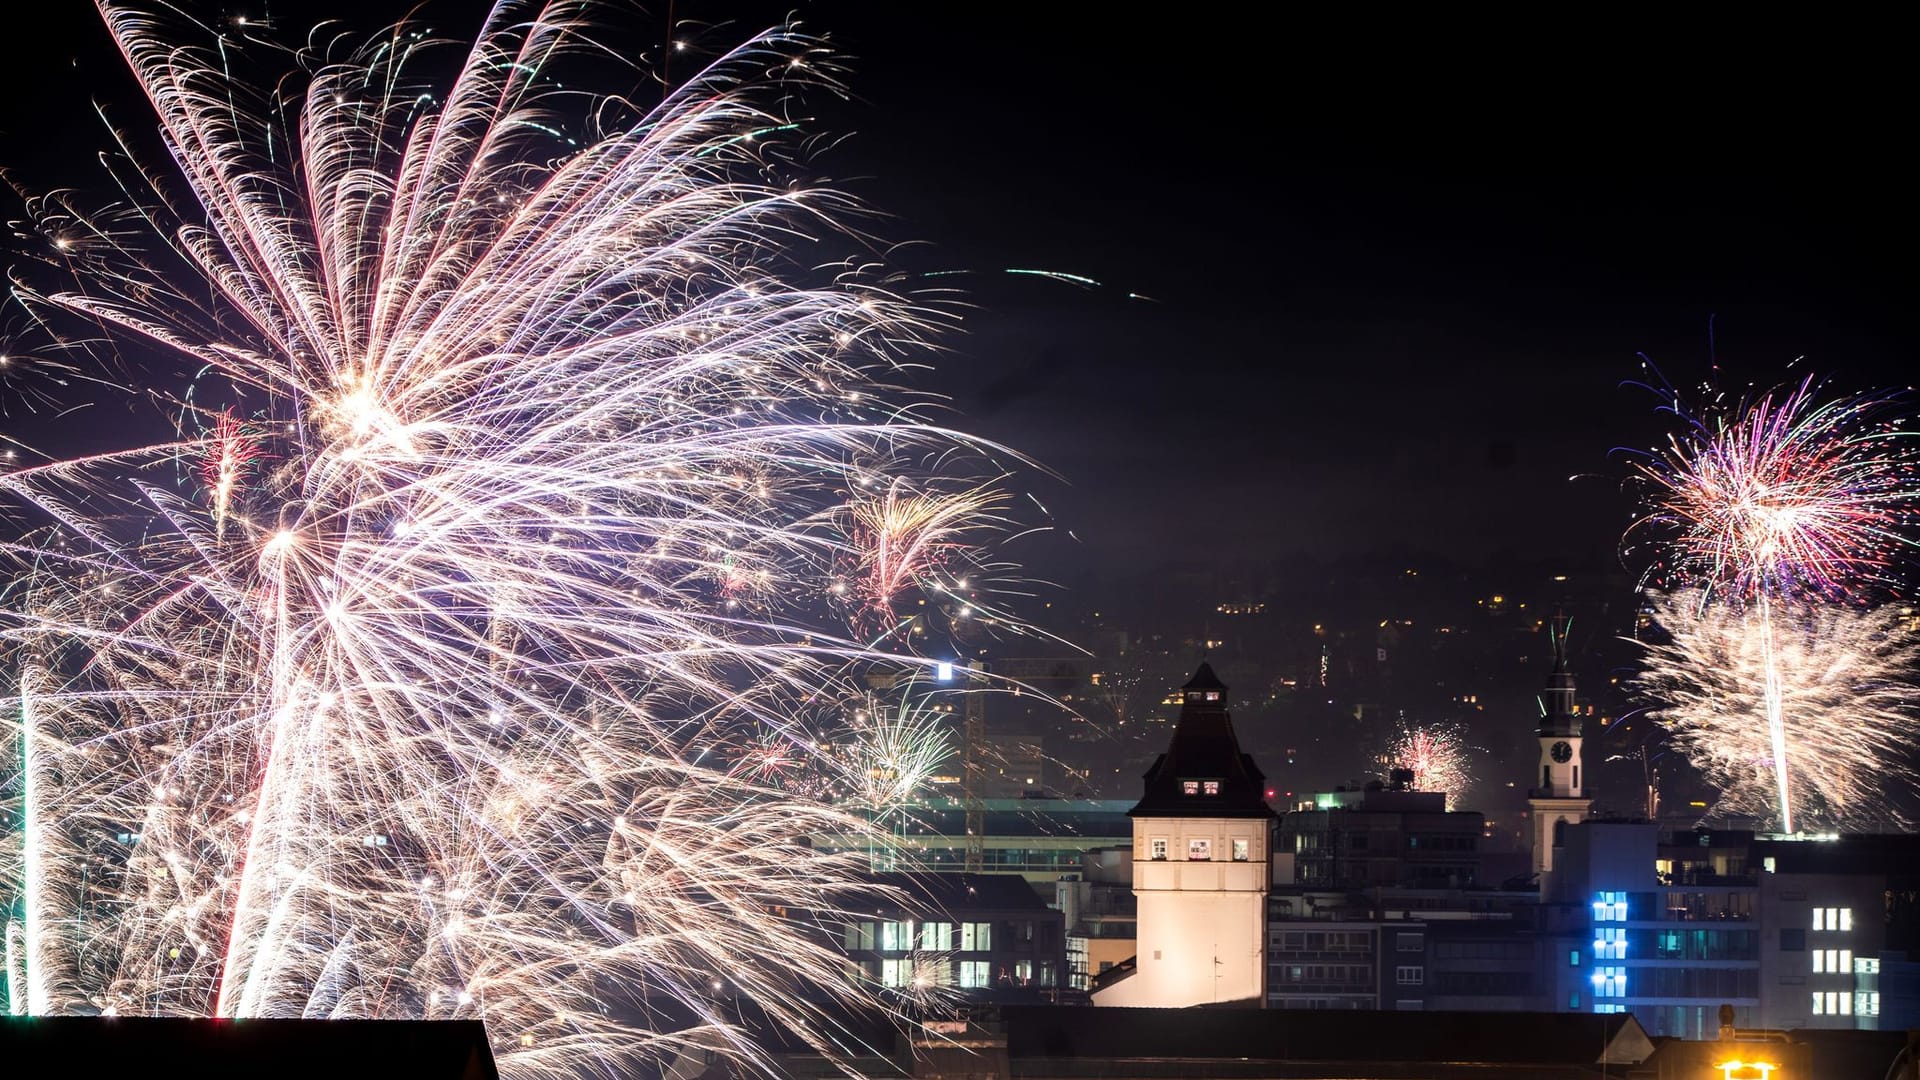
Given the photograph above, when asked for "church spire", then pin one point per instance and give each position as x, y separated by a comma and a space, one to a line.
1558, 715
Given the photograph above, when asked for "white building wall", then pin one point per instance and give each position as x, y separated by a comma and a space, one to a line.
1202, 934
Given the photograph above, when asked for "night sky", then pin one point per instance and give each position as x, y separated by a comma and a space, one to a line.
1399, 269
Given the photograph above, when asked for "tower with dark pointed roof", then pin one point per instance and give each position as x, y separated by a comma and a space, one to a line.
1561, 796
1201, 832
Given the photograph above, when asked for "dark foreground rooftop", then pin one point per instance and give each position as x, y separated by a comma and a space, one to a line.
1320, 1043
77, 1046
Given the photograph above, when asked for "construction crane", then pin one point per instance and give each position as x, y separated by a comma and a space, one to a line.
973, 767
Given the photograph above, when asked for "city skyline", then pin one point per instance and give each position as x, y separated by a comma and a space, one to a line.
609, 522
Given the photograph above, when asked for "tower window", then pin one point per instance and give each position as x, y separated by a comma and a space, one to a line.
1189, 787
1213, 695
1200, 849
1157, 848
1210, 787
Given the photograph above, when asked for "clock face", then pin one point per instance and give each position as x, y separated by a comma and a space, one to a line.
1562, 752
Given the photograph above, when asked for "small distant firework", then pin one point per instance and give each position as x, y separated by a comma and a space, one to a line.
1780, 499
1844, 678
231, 451
893, 749
907, 537
1438, 757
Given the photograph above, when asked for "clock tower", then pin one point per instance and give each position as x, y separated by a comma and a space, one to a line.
1561, 795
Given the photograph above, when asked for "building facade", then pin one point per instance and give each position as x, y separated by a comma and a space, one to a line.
1201, 835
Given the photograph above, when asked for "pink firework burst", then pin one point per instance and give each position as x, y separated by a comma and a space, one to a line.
1437, 755
1784, 495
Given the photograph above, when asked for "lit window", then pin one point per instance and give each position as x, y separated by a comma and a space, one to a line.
1157, 848
1819, 961
1819, 1004
976, 937
1200, 849
1609, 982
1213, 695
1240, 850
1846, 961
1819, 918
1869, 1003
973, 973
1211, 787
1192, 787
1846, 920
1846, 1003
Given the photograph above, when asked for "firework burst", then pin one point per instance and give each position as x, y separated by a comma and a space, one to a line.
1845, 680
1438, 757
1781, 499
550, 459
1783, 496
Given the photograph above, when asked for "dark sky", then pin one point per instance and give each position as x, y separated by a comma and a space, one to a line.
1399, 268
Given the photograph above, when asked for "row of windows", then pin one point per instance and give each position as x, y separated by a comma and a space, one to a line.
909, 935
1833, 961
1732, 904
1839, 1003
968, 974
1199, 849
1840, 919
1315, 941
1694, 944
1610, 943
1199, 787
1355, 975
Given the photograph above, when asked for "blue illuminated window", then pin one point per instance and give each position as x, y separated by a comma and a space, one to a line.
1609, 982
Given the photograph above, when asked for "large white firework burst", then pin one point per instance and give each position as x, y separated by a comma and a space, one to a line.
511, 484
1844, 676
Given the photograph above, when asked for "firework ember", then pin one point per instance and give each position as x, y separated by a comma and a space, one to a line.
425, 705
